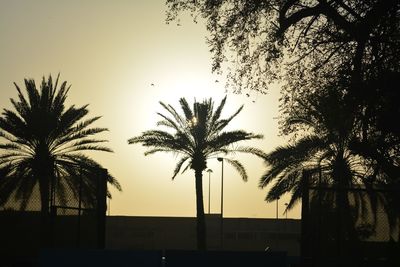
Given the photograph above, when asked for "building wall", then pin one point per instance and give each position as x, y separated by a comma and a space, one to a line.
239, 234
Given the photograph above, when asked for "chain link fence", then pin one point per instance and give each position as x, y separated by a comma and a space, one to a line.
349, 226
78, 213
75, 219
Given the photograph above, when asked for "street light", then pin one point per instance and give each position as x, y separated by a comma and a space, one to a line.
222, 199
209, 189
222, 184
277, 207
109, 206
286, 210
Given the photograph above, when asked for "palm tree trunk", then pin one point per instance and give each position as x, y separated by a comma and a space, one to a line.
44, 187
45, 173
200, 224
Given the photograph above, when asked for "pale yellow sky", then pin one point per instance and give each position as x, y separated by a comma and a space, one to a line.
111, 52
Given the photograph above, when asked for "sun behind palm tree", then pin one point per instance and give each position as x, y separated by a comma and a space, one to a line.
197, 135
42, 141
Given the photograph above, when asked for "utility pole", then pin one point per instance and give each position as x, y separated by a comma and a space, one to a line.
222, 201
286, 210
277, 200
209, 189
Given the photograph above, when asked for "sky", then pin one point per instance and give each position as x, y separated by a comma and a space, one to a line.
121, 58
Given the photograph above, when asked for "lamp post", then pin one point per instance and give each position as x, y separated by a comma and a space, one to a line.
222, 200
209, 189
109, 206
277, 200
286, 205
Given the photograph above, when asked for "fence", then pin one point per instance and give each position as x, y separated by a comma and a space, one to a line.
347, 227
76, 217
78, 220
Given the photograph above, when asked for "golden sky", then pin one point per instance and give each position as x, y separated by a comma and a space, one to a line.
112, 52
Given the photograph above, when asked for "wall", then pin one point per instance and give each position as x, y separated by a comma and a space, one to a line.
244, 234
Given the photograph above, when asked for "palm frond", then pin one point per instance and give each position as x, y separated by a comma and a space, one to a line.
189, 114
238, 167
217, 113
223, 123
225, 139
179, 166
248, 150
155, 150
168, 122
179, 119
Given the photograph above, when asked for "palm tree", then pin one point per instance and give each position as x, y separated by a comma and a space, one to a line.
42, 145
322, 150
198, 135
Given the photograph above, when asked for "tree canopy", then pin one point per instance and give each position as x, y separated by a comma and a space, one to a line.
315, 38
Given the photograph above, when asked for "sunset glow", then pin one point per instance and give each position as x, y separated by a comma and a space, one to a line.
122, 59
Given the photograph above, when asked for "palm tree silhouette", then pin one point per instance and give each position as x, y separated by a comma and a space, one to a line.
329, 126
197, 135
41, 147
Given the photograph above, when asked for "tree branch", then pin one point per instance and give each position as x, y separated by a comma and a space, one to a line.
286, 22
339, 20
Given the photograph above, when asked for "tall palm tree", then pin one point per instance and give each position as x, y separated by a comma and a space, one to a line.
197, 135
42, 145
327, 128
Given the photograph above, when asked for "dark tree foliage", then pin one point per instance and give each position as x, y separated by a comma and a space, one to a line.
324, 150
196, 135
42, 145
311, 37
312, 44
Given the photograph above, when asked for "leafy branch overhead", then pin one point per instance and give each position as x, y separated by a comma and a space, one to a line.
312, 38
